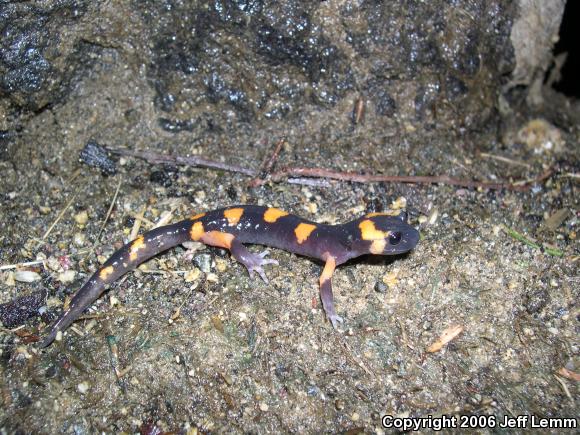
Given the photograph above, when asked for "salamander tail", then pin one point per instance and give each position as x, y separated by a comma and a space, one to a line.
125, 259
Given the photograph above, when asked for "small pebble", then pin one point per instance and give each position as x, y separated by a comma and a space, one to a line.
26, 276
83, 387
391, 278
192, 275
199, 196
82, 217
212, 277
203, 261
399, 203
433, 216
67, 276
380, 287
53, 264
221, 264
264, 407
10, 281
79, 239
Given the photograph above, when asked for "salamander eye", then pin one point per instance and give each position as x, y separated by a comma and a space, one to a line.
394, 238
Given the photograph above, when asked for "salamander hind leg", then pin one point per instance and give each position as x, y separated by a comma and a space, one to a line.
252, 261
326, 292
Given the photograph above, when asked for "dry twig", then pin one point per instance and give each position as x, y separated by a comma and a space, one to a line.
297, 172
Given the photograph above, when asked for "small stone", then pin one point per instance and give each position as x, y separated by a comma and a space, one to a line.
391, 278
83, 387
67, 276
81, 218
192, 275
433, 216
53, 264
199, 196
399, 203
380, 287
221, 264
96, 156
264, 407
307, 193
10, 281
79, 239
26, 276
212, 277
203, 261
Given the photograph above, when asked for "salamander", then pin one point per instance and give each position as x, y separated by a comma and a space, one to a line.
384, 233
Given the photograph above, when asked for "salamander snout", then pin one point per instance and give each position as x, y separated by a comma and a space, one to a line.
401, 240
386, 235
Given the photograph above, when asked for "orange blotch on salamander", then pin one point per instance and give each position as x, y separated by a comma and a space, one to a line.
217, 238
378, 246
302, 231
368, 231
233, 215
196, 231
105, 272
197, 216
328, 270
138, 243
273, 214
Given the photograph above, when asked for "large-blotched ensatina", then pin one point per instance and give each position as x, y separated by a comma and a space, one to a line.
375, 233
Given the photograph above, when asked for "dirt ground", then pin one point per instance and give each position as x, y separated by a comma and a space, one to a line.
184, 345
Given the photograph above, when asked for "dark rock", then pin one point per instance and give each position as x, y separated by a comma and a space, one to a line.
18, 311
164, 177
536, 301
175, 125
96, 156
42, 51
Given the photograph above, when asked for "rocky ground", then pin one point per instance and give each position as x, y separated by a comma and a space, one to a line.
188, 342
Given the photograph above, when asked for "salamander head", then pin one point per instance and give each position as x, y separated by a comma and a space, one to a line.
385, 234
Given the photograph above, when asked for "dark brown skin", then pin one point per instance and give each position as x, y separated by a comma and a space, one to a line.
374, 233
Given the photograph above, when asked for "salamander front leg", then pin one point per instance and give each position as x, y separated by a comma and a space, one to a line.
253, 262
326, 292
